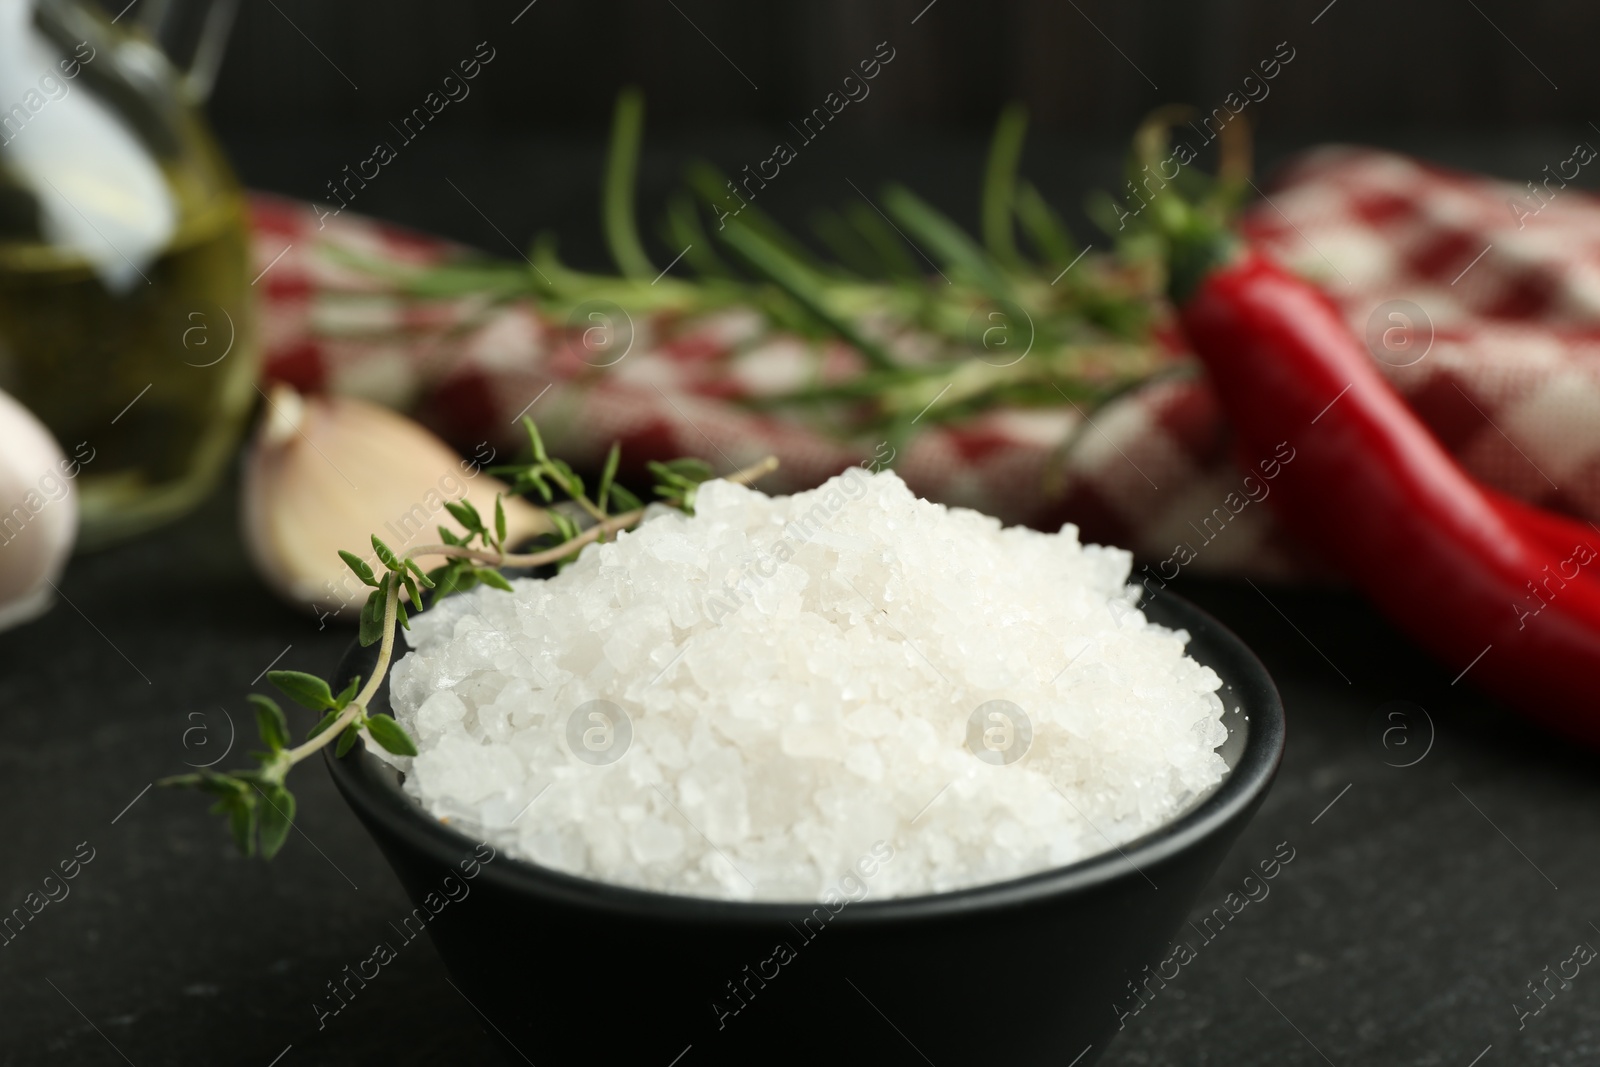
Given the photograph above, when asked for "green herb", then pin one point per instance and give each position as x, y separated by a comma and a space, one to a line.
359, 566
921, 302
258, 806
271, 722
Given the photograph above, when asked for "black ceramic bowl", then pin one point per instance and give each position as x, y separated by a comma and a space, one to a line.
566, 970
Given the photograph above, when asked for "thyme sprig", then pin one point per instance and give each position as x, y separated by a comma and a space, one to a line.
257, 804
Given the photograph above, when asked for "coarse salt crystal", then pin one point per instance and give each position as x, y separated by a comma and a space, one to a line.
743, 702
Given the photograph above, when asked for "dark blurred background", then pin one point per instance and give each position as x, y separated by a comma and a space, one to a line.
1082, 66
308, 87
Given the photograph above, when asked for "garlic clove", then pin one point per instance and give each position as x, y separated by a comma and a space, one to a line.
326, 473
38, 513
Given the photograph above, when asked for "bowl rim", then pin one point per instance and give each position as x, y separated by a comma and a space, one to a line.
371, 786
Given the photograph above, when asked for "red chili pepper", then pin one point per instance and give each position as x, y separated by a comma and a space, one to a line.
1496, 589
1558, 533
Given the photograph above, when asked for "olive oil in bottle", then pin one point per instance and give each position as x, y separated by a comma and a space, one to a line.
126, 322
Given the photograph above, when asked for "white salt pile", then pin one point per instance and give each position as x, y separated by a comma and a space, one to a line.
743, 703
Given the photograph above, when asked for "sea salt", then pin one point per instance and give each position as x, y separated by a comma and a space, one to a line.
745, 702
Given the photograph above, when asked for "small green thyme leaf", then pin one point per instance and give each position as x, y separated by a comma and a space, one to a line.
372, 618
565, 527
276, 816
219, 785
690, 469
240, 808
608, 475
271, 722
352, 733
532, 479
347, 694
359, 566
625, 499
391, 735
411, 565
499, 520
493, 578
457, 576
307, 690
385, 554
534, 439
466, 515
568, 478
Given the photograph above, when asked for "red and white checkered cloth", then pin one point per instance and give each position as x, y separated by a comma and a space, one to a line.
1510, 381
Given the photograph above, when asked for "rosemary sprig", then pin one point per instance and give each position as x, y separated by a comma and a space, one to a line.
258, 806
911, 320
622, 169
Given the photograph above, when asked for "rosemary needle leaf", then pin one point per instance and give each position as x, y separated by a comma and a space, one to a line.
1044, 227
616, 205
1000, 184
805, 288
947, 240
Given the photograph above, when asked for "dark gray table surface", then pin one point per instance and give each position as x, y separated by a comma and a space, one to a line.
1420, 902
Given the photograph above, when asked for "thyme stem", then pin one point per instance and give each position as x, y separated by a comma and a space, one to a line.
565, 548
358, 706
